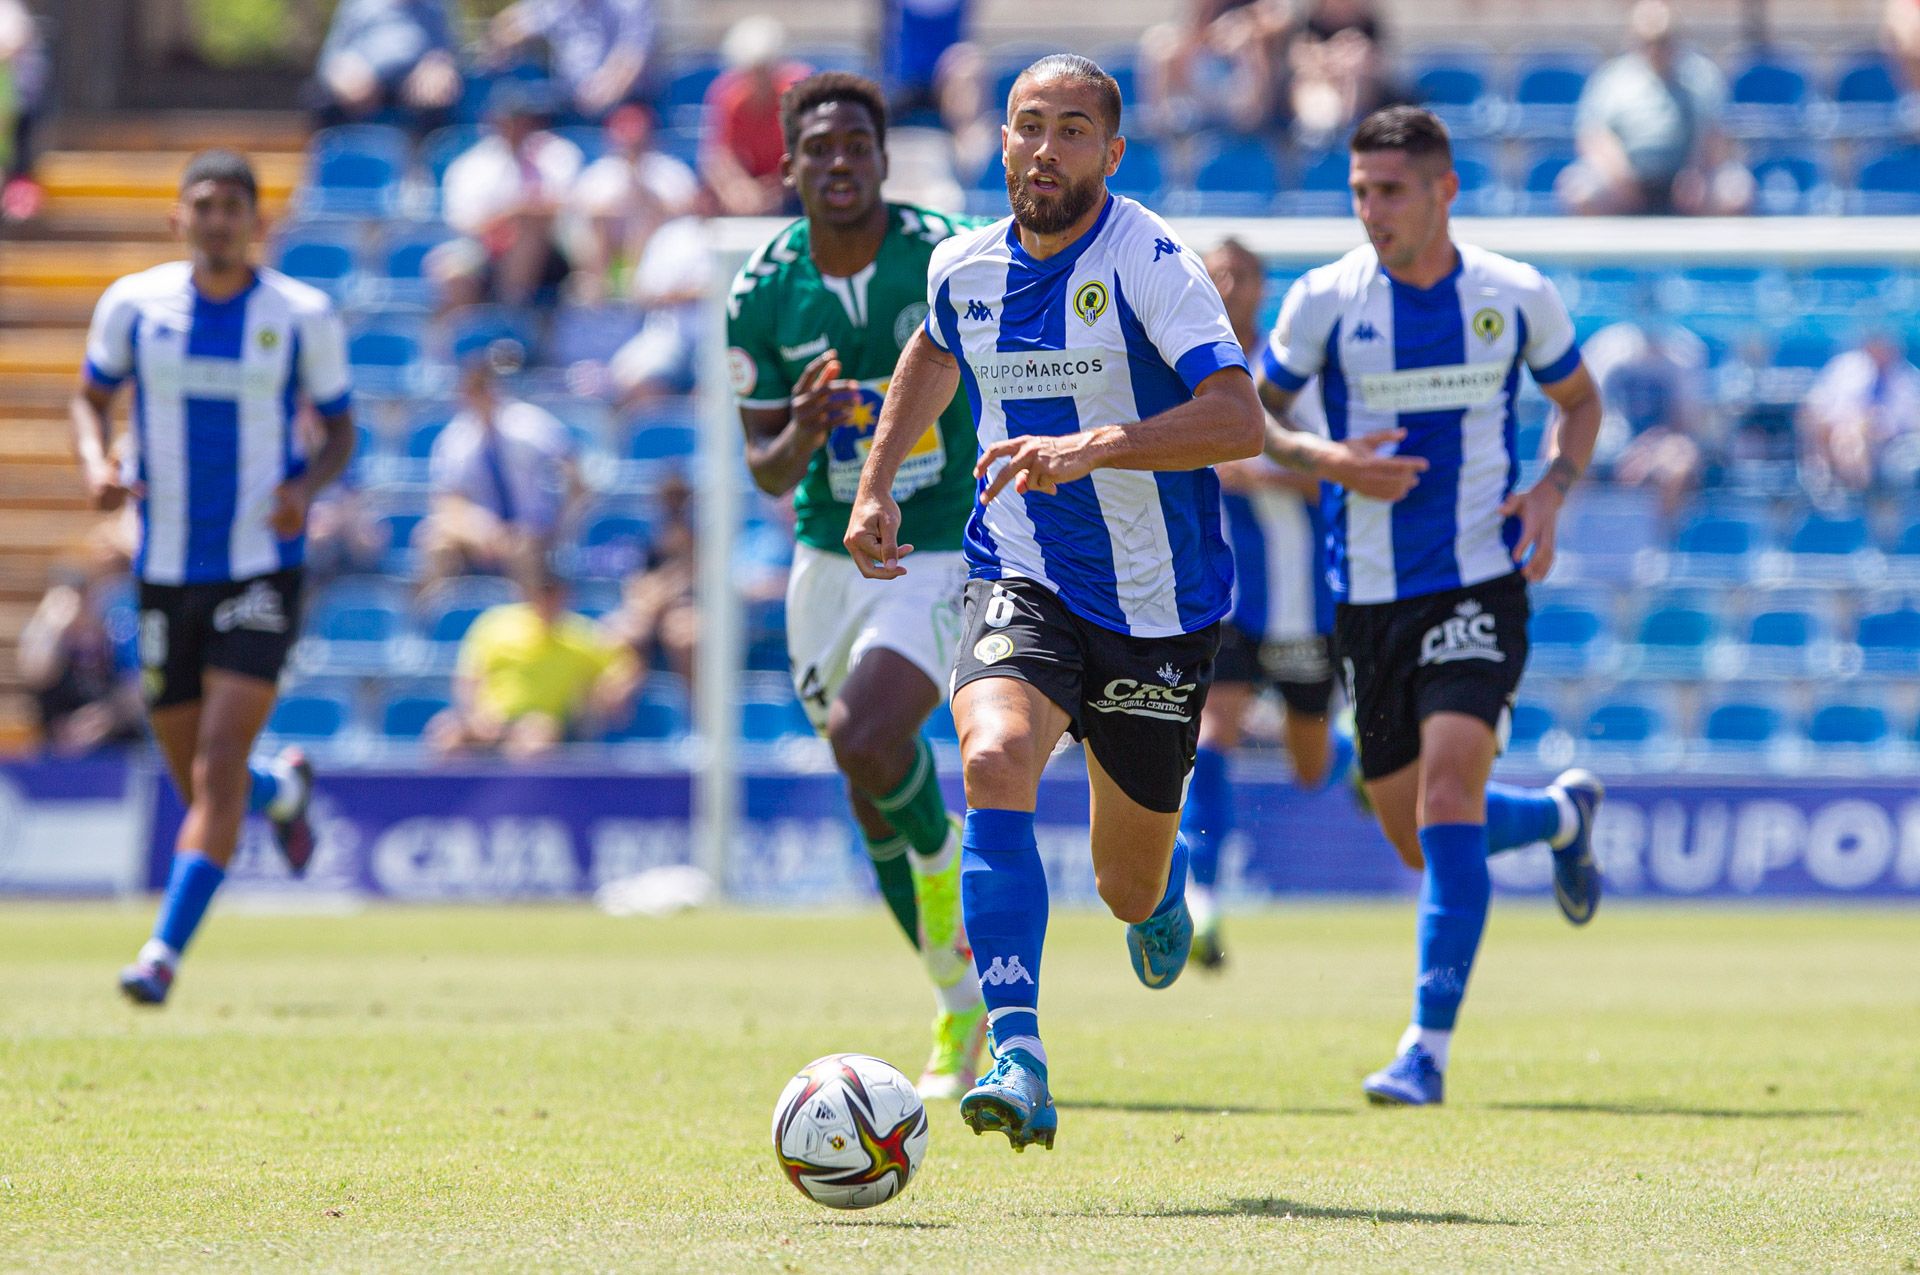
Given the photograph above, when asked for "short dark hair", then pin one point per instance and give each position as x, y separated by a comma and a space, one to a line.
1071, 66
221, 166
828, 87
1412, 129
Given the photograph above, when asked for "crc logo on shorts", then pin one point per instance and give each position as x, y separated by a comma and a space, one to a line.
1165, 699
740, 371
257, 609
993, 648
1467, 634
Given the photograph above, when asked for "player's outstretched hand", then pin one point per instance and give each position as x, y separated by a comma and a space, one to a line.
872, 538
1538, 509
1034, 463
105, 489
1365, 472
291, 501
820, 399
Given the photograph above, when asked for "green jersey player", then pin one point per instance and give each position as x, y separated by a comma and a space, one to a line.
816, 322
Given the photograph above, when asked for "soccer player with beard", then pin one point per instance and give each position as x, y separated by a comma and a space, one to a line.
815, 322
1413, 333
221, 356
1103, 378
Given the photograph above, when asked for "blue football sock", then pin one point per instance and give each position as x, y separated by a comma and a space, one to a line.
1453, 911
263, 787
1207, 817
1176, 877
1341, 763
1519, 817
1003, 896
189, 890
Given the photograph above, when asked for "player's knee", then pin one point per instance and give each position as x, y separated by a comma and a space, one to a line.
1451, 798
220, 776
998, 770
862, 748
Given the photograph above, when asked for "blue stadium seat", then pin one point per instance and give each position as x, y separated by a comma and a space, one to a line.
1673, 640
687, 85
1849, 725
384, 354
1866, 97
1740, 724
326, 257
660, 711
1482, 194
1888, 182
1807, 347
1564, 638
1528, 726
480, 326
355, 636
1624, 724
1787, 182
397, 527
403, 261
1238, 177
447, 625
663, 442
355, 169
1542, 172
1842, 290
443, 146
768, 720
1723, 289
1454, 83
1889, 641
310, 716
1779, 643
1767, 95
1546, 87
1323, 188
405, 716
612, 543
1829, 536
1903, 554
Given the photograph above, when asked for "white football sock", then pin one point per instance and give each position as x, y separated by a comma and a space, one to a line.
1029, 1043
291, 793
928, 865
1569, 818
154, 952
1201, 906
1437, 1043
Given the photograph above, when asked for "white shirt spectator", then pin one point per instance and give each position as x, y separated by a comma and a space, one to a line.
519, 470
655, 183
1855, 386
490, 180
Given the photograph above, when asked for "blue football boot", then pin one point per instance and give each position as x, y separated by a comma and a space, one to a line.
1013, 1099
1159, 946
146, 982
1576, 874
1411, 1080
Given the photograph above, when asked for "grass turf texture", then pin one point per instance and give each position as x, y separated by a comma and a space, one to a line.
548, 1088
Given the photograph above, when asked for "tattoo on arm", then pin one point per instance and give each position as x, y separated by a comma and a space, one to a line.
1563, 474
1289, 451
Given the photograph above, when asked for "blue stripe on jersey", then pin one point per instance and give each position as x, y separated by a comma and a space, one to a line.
1202, 361
140, 448
1561, 368
292, 552
1510, 528
982, 551
1278, 372
1033, 317
1322, 586
1251, 602
1333, 497
1189, 499
1429, 331
213, 487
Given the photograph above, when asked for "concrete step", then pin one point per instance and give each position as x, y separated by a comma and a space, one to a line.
33, 439
187, 131
69, 267
152, 176
39, 350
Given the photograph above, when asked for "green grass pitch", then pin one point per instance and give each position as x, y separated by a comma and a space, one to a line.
550, 1089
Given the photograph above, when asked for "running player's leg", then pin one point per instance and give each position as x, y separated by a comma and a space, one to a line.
1140, 863
1302, 671
1207, 817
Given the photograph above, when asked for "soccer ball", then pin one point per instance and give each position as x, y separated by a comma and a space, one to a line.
849, 1131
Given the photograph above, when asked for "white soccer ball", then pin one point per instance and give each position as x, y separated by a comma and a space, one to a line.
849, 1131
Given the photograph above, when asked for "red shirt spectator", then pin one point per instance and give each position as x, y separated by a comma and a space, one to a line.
740, 152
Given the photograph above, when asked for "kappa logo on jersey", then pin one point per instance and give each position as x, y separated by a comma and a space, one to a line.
1090, 302
1144, 699
980, 310
1165, 248
1467, 634
1004, 971
257, 609
1365, 331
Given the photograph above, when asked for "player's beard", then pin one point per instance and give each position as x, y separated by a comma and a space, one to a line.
1050, 217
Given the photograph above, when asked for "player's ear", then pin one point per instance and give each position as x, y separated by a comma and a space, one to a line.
1116, 147
1449, 185
786, 169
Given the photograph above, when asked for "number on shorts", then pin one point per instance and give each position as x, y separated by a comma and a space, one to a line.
999, 613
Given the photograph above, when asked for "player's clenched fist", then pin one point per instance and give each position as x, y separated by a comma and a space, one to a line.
873, 530
1036, 464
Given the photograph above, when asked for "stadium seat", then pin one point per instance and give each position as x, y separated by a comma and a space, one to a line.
1238, 177
1542, 172
1139, 175
769, 720
1866, 97
1848, 725
1624, 724
354, 637
1780, 643
1827, 547
450, 624
687, 88
1482, 193
660, 712
309, 716
1787, 183
1843, 290
405, 716
397, 527
479, 326
403, 261
1767, 95
443, 146
1889, 641
1564, 639
1888, 183
1546, 87
1903, 554
1741, 724
384, 353
1724, 289
1528, 725
355, 169
612, 543
1323, 189
591, 333
663, 442
325, 257
1453, 83
1672, 641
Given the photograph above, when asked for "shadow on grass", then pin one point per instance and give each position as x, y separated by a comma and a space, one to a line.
1657, 1109
1194, 1108
882, 1223
1274, 1206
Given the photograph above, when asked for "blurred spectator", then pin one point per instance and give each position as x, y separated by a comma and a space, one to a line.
1648, 130
504, 196
915, 36
532, 674
622, 199
657, 607
1658, 427
741, 139
85, 683
670, 282
601, 52
23, 82
504, 482
1338, 72
1221, 65
1900, 32
1858, 423
388, 55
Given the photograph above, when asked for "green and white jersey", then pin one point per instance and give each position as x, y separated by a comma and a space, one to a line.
783, 312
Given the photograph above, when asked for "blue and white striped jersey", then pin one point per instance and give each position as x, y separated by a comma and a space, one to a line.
1442, 363
216, 385
1118, 328
1280, 591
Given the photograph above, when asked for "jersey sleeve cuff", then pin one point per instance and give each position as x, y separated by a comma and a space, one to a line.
1279, 373
336, 405
100, 376
1202, 361
1561, 368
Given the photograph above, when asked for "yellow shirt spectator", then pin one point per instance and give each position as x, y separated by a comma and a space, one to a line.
519, 664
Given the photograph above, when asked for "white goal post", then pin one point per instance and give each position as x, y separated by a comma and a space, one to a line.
721, 473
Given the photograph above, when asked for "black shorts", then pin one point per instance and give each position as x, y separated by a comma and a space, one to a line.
1135, 701
1457, 651
1301, 670
245, 627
